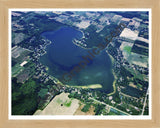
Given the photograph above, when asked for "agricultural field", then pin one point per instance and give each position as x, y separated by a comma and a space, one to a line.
131, 57
126, 49
138, 59
60, 105
18, 37
85, 110
16, 70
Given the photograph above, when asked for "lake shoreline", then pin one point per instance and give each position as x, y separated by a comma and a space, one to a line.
90, 86
100, 78
115, 77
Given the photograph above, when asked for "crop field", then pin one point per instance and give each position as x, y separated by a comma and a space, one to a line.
16, 70
126, 49
138, 59
90, 110
60, 105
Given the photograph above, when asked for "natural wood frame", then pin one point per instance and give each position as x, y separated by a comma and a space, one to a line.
6, 4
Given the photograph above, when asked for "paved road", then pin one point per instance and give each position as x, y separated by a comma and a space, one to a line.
145, 102
109, 106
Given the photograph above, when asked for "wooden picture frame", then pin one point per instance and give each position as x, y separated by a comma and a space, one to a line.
154, 5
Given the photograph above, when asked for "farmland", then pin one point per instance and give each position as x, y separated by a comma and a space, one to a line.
60, 105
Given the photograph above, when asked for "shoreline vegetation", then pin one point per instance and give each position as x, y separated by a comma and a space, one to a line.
91, 86
80, 38
115, 77
92, 54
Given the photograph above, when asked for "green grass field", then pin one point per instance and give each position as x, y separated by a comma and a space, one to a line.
86, 108
16, 69
127, 49
67, 103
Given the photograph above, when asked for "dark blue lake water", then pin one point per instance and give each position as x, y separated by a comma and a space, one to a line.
63, 55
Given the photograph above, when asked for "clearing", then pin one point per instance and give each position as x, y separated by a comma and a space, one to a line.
60, 105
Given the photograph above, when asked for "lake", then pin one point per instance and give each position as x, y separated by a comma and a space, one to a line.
63, 55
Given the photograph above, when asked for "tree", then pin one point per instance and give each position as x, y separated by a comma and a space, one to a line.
28, 88
42, 93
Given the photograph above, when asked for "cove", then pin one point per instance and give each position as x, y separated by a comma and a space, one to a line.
62, 56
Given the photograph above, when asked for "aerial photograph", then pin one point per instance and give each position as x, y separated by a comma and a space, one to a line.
80, 63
